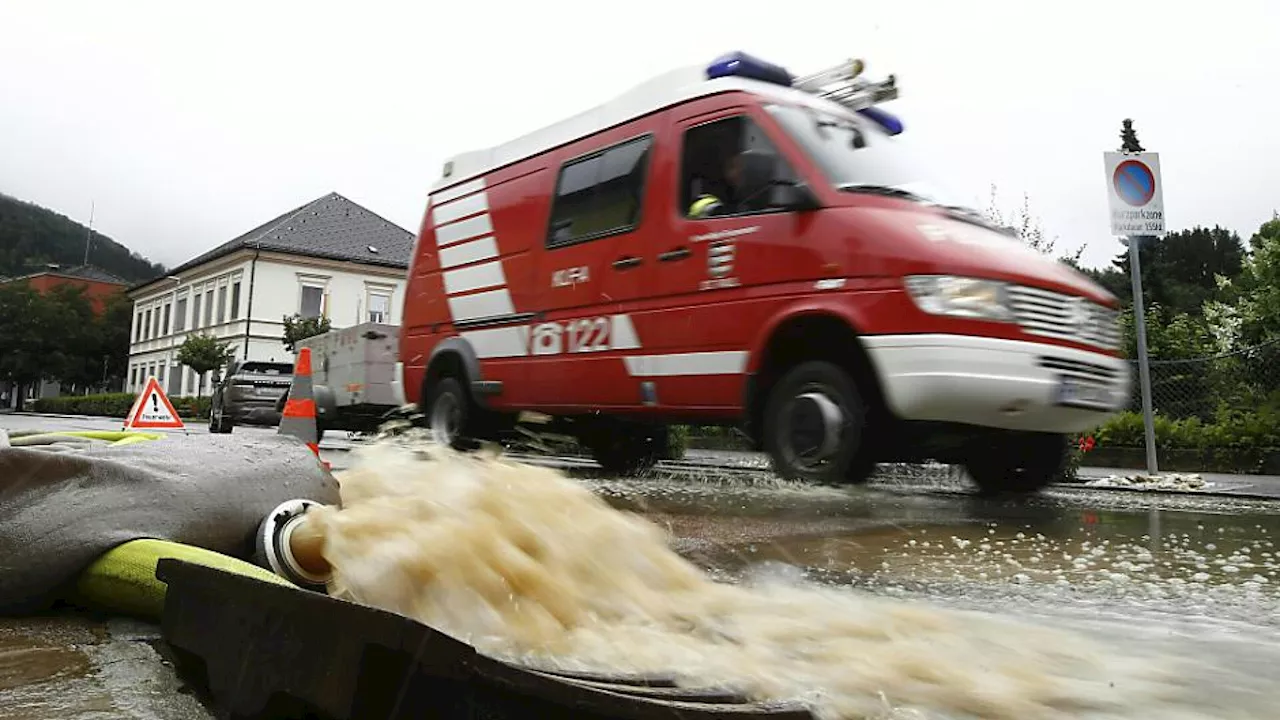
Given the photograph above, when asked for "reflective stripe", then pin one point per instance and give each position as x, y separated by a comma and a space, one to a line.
702, 205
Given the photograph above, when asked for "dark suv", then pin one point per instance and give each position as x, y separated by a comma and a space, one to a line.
248, 394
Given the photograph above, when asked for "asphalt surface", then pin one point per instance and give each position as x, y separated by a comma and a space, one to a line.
1189, 574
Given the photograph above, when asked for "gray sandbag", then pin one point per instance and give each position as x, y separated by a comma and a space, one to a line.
60, 510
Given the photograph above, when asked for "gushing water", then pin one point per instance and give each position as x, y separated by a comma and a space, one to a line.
526, 564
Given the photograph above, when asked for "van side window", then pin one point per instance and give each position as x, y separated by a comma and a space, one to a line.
708, 150
600, 194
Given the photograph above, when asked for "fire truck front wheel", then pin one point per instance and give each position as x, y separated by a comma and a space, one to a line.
815, 424
1015, 462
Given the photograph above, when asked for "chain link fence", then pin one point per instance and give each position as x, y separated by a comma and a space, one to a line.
1204, 387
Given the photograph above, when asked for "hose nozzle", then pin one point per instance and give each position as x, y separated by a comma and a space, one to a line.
291, 547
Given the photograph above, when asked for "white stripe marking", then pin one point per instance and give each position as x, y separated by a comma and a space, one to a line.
494, 303
470, 205
486, 248
457, 191
473, 278
732, 362
622, 335
463, 230
499, 342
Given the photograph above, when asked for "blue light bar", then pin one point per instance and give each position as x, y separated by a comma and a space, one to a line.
890, 123
740, 64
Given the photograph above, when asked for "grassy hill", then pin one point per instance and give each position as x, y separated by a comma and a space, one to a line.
32, 236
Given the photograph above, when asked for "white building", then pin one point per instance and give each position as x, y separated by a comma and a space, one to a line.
329, 257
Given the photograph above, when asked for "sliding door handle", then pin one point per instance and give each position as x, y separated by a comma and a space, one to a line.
626, 262
677, 254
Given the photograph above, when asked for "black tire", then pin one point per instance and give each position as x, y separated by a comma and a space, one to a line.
800, 449
218, 423
626, 448
1016, 463
448, 412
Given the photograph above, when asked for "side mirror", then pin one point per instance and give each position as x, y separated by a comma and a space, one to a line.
794, 197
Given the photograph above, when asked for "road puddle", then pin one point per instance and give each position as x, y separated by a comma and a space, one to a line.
27, 660
528, 565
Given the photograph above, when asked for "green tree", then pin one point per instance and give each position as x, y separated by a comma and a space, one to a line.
26, 325
113, 329
1181, 270
1129, 137
203, 353
297, 328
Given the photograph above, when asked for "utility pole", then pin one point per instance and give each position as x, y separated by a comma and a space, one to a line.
88, 234
1135, 183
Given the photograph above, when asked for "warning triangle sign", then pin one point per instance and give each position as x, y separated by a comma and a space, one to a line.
152, 409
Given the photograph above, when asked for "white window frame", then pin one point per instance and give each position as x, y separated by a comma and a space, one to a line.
316, 282
377, 289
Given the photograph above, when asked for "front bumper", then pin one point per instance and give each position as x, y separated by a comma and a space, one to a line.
996, 383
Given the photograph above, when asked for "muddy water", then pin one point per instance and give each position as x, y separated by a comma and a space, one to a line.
529, 565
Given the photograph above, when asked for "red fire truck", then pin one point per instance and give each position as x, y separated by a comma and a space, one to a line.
829, 305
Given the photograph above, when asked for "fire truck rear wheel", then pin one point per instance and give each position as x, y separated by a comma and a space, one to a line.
1016, 463
814, 425
625, 448
448, 412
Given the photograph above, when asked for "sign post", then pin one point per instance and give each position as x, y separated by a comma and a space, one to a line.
1136, 197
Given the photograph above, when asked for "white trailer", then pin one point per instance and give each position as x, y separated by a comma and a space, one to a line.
356, 375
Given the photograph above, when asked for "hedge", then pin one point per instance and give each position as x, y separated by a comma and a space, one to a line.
115, 405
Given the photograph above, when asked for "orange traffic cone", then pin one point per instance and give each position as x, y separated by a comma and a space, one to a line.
299, 416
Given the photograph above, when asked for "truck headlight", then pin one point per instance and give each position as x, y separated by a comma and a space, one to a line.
960, 297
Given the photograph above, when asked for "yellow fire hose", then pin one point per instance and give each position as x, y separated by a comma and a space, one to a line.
123, 580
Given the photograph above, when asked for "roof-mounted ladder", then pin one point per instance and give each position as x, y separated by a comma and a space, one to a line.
843, 84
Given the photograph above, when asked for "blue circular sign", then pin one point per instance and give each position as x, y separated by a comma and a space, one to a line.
1134, 182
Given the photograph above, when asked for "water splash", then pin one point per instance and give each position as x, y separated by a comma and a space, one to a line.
528, 565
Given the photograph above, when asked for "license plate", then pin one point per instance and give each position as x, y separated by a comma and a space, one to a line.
1074, 393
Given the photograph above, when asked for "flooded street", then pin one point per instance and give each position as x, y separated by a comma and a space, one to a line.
896, 600
1173, 576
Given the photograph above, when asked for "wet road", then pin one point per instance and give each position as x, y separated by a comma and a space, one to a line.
1195, 577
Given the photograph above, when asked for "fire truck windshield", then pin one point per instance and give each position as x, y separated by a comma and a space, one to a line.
857, 155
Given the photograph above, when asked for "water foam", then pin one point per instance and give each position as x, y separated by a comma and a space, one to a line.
527, 564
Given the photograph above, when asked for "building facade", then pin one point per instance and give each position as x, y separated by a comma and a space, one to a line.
330, 257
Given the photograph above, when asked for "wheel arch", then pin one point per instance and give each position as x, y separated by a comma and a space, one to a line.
453, 357
809, 331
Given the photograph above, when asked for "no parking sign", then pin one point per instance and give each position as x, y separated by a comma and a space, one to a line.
1135, 193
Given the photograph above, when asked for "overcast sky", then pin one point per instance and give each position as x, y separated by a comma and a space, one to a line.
188, 123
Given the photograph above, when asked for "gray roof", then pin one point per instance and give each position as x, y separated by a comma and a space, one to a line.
331, 227
80, 272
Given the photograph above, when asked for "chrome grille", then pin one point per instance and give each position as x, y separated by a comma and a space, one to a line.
1065, 317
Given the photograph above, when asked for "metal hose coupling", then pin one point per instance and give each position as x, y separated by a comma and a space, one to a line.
286, 545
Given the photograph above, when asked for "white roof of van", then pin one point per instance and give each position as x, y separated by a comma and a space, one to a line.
660, 92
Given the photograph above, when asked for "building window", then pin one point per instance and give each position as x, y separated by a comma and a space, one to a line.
195, 311
379, 302
160, 373
133, 377
600, 194
146, 326
222, 304
168, 309
155, 324
311, 303
137, 327
235, 300
208, 308
180, 315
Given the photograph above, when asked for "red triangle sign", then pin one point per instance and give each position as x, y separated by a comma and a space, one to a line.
152, 409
